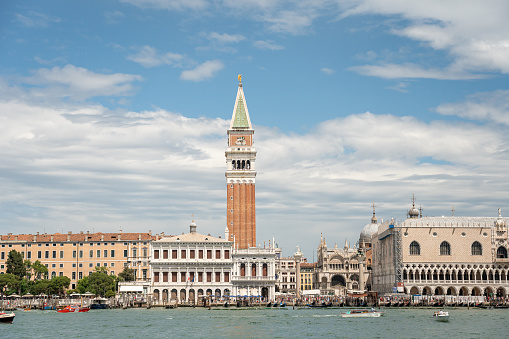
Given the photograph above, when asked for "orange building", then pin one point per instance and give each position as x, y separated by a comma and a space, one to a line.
77, 255
240, 176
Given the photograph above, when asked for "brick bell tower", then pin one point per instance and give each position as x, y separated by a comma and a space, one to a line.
240, 176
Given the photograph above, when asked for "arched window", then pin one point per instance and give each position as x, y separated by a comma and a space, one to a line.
501, 252
233, 164
415, 248
243, 164
476, 248
248, 164
445, 248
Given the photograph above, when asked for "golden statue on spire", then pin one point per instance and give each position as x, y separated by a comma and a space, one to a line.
240, 77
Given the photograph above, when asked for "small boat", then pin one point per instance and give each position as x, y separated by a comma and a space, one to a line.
362, 313
24, 309
441, 316
100, 304
73, 308
6, 317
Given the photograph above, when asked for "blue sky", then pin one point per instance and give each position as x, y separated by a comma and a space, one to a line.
114, 113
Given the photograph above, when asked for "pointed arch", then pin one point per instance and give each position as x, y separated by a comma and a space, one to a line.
476, 248
445, 248
415, 248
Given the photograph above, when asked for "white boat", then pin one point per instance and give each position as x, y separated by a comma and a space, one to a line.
6, 317
441, 316
362, 313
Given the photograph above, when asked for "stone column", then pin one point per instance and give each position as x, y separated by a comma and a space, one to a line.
297, 256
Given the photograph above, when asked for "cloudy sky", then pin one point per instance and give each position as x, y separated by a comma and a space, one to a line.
113, 114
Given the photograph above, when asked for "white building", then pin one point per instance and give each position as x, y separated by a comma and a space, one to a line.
189, 266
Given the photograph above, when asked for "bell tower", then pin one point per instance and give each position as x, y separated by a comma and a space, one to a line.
240, 176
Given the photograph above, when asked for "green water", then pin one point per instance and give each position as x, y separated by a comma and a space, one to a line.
264, 323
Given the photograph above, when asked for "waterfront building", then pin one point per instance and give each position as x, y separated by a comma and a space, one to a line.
307, 272
240, 176
340, 271
75, 255
190, 266
454, 256
286, 273
254, 272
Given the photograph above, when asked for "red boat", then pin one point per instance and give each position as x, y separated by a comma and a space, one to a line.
73, 308
7, 317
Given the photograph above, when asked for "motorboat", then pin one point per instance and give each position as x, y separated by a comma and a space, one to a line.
73, 309
6, 317
99, 304
362, 313
441, 316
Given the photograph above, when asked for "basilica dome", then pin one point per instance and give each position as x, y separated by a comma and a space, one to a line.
367, 231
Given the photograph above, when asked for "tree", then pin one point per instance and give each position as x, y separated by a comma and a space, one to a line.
15, 264
40, 271
58, 285
83, 285
101, 282
9, 281
126, 275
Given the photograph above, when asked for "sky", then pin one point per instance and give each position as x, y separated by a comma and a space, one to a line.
113, 113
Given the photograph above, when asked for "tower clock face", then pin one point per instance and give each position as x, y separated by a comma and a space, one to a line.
240, 141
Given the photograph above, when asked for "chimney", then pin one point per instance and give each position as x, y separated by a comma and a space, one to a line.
139, 236
150, 232
52, 237
35, 238
69, 236
37, 233
102, 237
16, 238
88, 232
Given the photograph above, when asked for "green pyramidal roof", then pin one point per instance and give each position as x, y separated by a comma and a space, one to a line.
240, 117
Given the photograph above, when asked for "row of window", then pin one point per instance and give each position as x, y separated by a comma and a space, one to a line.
74, 244
445, 249
80, 253
191, 277
191, 254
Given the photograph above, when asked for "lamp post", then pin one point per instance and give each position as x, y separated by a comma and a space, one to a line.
297, 256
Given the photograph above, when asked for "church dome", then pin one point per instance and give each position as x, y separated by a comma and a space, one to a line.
367, 231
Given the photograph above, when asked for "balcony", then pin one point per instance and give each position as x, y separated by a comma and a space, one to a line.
250, 278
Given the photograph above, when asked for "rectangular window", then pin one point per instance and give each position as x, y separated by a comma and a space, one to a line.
218, 276
73, 276
174, 254
61, 265
191, 254
182, 276
209, 254
80, 275
73, 265
165, 276
46, 255
39, 255
135, 252
98, 253
112, 253
91, 254
156, 276
156, 254
144, 274
227, 254
191, 276
218, 254
61, 254
226, 276
53, 265
200, 254
125, 253
200, 276
183, 254
29, 255
112, 264
165, 254
105, 253
209, 276
61, 274
54, 254
81, 254
91, 265
3, 255
173, 276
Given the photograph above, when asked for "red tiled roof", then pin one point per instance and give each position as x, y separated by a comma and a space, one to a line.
58, 237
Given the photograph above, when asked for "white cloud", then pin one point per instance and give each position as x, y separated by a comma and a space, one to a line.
269, 44
148, 56
327, 71
408, 71
226, 38
170, 4
473, 33
490, 106
78, 83
36, 20
203, 72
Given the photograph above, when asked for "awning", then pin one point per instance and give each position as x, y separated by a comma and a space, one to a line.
131, 289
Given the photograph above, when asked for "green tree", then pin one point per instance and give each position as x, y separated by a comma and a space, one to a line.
83, 285
15, 264
58, 285
126, 275
28, 269
101, 282
40, 286
9, 281
40, 270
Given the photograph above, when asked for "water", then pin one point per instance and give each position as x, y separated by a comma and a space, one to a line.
252, 323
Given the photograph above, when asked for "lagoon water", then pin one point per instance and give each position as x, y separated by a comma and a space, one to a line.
255, 323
